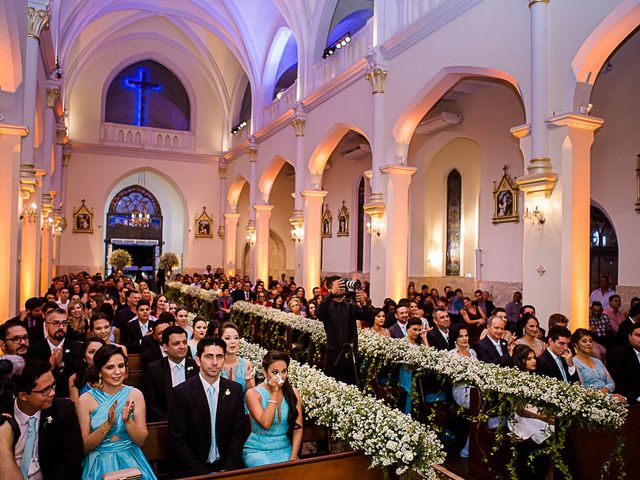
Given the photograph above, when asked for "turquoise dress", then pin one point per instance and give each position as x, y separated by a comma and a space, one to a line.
239, 374
264, 447
405, 380
119, 454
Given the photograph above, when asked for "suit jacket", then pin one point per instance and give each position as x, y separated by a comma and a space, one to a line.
624, 367
437, 340
238, 295
60, 447
622, 337
36, 331
395, 331
547, 366
70, 352
150, 354
147, 342
156, 386
134, 335
488, 353
121, 320
190, 426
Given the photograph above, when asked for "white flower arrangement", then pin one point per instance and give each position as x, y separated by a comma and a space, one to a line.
367, 424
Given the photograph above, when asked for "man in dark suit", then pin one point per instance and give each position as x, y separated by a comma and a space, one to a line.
151, 345
399, 329
624, 366
14, 339
50, 442
33, 320
206, 416
439, 337
493, 348
139, 327
59, 352
557, 361
245, 294
161, 376
624, 329
126, 313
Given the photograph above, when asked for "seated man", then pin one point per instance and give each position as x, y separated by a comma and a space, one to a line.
493, 348
557, 361
139, 326
162, 375
34, 320
14, 339
151, 345
439, 336
399, 328
206, 416
59, 352
50, 443
624, 366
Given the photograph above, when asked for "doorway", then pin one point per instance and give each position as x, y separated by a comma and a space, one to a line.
604, 249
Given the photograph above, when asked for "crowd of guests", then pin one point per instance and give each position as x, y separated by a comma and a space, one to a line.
77, 340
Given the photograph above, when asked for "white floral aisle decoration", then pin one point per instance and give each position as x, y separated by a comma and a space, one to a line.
391, 438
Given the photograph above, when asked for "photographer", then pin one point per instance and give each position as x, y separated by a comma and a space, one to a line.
339, 312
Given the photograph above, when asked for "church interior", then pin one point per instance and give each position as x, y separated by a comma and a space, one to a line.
472, 144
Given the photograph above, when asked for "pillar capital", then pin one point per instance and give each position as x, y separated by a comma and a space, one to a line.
222, 170
376, 75
541, 178
263, 208
575, 120
28, 181
231, 216
66, 158
398, 170
298, 123
375, 207
61, 136
297, 218
252, 151
37, 21
533, 2
314, 193
53, 96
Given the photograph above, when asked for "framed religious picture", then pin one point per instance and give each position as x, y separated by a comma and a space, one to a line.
505, 200
204, 224
326, 222
343, 221
82, 219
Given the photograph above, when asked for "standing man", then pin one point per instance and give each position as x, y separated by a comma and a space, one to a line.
439, 337
60, 353
50, 443
14, 339
63, 298
163, 375
513, 311
206, 416
603, 292
339, 317
139, 326
616, 317
557, 360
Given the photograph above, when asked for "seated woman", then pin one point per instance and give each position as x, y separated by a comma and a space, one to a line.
235, 367
159, 305
276, 416
473, 316
378, 323
101, 328
295, 306
224, 304
112, 419
530, 327
182, 320
416, 337
78, 322
592, 372
530, 426
461, 391
199, 331
278, 302
78, 381
311, 309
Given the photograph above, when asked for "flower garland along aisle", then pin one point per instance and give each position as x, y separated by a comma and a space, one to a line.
197, 300
389, 437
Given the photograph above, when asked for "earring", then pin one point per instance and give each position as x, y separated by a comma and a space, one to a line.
100, 381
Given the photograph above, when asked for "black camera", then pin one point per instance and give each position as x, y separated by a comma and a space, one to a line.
9, 364
351, 285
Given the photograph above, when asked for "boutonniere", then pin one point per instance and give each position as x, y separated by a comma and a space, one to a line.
48, 420
227, 392
189, 368
67, 351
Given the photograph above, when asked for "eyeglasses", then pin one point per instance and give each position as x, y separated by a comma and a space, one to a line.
22, 339
46, 391
58, 324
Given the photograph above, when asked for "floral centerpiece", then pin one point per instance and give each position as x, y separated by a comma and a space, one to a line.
168, 261
120, 258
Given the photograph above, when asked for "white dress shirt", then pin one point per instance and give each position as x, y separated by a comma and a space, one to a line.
572, 368
216, 386
174, 371
22, 419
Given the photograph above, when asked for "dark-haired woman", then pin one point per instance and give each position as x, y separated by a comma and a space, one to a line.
276, 415
112, 419
78, 381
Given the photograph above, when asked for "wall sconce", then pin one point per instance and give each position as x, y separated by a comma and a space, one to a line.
29, 212
251, 235
59, 226
47, 224
536, 217
374, 226
297, 233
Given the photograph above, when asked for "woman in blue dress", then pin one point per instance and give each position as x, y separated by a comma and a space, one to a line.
78, 383
112, 419
416, 336
276, 416
235, 367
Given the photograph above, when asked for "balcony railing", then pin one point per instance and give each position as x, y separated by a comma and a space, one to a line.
409, 11
275, 109
238, 138
147, 137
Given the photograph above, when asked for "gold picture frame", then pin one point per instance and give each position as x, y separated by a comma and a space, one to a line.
505, 200
327, 221
83, 219
204, 224
343, 221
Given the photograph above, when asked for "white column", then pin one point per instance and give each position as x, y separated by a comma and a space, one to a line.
263, 214
312, 244
230, 233
376, 75
297, 219
253, 193
222, 173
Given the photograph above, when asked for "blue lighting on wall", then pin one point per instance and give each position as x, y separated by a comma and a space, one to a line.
141, 84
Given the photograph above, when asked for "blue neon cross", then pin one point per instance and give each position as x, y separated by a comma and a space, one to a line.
142, 85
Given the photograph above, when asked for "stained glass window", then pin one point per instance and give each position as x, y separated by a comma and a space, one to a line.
454, 217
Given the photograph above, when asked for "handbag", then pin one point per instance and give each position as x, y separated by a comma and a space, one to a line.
124, 474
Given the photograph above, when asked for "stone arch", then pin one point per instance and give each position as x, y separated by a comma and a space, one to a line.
325, 148
268, 177
269, 77
233, 194
277, 255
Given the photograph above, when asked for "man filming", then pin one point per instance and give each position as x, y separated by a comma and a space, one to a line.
338, 312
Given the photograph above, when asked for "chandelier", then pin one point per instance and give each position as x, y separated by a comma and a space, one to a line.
139, 219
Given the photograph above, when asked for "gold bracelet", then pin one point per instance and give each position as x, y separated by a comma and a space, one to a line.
104, 428
272, 401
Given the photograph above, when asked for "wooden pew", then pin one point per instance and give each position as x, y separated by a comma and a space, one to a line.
134, 364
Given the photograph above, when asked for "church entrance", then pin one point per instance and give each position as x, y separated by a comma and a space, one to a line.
134, 223
604, 249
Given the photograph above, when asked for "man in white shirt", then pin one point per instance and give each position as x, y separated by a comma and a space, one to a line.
63, 298
439, 337
399, 329
557, 361
603, 292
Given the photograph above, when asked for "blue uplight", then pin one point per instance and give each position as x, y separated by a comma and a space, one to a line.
141, 85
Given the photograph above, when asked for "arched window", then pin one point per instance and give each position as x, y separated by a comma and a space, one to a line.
148, 94
454, 218
348, 18
287, 68
360, 233
245, 111
604, 248
134, 213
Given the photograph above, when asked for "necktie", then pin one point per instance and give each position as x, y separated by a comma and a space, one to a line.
213, 450
27, 454
143, 329
179, 374
561, 367
246, 296
499, 348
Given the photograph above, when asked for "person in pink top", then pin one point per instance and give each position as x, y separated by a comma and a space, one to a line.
616, 317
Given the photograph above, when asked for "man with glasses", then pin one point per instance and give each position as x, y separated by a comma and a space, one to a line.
14, 339
57, 350
50, 442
